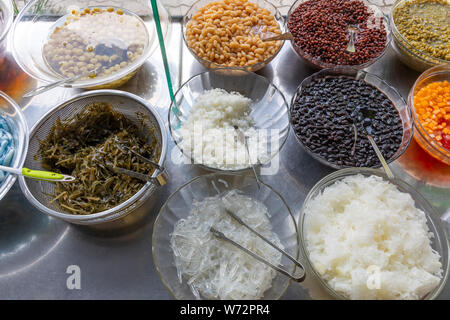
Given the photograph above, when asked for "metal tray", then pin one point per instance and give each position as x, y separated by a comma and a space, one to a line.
36, 251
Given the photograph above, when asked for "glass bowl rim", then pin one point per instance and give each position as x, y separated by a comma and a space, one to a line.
9, 13
256, 66
211, 175
120, 207
426, 75
216, 70
123, 72
340, 70
426, 58
6, 185
339, 175
312, 60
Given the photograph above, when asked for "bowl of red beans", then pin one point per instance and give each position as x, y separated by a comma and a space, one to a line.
329, 33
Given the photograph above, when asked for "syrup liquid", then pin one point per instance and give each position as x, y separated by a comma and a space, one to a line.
13, 81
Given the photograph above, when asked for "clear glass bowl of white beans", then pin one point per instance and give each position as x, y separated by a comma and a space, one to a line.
103, 46
227, 33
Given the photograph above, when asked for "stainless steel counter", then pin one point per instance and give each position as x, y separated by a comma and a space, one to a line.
35, 250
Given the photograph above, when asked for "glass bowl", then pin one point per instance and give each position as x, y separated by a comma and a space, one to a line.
431, 146
6, 20
439, 242
37, 20
211, 65
316, 63
15, 119
408, 54
178, 205
397, 100
134, 108
269, 107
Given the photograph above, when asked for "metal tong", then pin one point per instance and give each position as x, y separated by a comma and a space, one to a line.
160, 180
221, 236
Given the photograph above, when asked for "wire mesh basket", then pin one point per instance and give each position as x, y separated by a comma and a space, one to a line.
133, 108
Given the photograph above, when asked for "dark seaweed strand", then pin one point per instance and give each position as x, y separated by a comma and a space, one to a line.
83, 145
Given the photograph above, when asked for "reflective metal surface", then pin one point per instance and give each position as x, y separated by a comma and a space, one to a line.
36, 250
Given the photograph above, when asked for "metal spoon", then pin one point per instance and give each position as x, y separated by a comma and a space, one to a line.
367, 131
283, 36
352, 30
269, 36
379, 155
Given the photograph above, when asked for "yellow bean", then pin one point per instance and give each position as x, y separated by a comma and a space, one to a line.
221, 31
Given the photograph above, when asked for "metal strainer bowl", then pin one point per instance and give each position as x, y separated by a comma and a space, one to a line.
130, 105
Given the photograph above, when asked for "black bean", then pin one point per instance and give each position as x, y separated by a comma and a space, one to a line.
324, 113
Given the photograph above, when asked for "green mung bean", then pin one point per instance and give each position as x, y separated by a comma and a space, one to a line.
425, 24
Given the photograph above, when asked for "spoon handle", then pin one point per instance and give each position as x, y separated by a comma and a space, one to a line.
52, 85
380, 156
283, 36
46, 175
11, 170
48, 87
351, 43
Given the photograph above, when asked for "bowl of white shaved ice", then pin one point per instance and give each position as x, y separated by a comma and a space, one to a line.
367, 237
211, 108
194, 264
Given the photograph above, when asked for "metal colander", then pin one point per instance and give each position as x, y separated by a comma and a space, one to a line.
39, 193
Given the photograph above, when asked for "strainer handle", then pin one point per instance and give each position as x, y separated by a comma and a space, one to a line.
46, 175
38, 175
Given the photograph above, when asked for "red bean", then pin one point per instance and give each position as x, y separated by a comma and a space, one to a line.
320, 29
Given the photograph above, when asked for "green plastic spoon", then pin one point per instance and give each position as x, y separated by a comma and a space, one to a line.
38, 175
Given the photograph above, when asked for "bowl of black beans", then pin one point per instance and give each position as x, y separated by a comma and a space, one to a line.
333, 111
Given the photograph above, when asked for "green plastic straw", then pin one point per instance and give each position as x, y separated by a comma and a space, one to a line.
166, 63
162, 47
